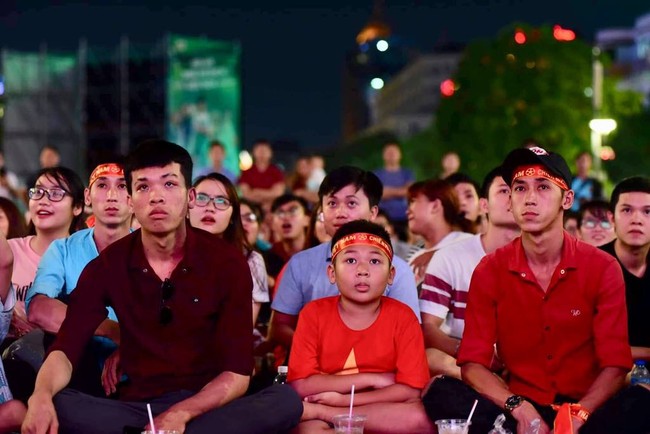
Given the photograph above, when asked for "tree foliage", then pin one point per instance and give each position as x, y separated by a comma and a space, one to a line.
509, 92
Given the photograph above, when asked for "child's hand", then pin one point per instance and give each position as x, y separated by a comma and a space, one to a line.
333, 399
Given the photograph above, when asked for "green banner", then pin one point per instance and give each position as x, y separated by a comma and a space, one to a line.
204, 98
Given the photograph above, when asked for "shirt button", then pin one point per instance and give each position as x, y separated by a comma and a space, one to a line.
184, 270
196, 300
144, 270
562, 271
523, 274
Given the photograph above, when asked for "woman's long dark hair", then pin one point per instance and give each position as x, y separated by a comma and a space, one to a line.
234, 232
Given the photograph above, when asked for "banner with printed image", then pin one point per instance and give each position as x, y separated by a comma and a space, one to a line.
204, 97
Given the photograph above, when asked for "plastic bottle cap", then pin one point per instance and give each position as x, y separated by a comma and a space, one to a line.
640, 363
283, 369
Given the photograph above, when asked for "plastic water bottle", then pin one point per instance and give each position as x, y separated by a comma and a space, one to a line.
281, 378
640, 374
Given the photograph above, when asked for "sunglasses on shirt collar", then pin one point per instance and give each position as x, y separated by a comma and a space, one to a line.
166, 314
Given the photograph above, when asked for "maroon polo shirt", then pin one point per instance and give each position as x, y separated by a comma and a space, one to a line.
254, 178
210, 330
553, 342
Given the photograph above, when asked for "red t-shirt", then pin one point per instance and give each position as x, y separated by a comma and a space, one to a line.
254, 178
323, 344
555, 342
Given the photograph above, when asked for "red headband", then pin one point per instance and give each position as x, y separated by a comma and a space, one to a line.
363, 239
539, 171
108, 169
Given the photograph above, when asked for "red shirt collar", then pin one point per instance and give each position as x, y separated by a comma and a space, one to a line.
518, 262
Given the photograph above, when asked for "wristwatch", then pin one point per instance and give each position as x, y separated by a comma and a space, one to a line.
513, 402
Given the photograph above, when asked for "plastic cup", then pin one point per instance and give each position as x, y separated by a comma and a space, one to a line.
346, 424
452, 426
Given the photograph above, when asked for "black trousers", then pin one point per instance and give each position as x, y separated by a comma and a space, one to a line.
624, 413
275, 409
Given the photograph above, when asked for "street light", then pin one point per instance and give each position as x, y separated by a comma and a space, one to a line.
599, 128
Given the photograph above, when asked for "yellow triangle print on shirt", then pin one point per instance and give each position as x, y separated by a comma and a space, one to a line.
350, 366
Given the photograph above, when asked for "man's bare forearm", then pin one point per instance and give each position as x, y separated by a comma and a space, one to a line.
47, 313
54, 374
486, 383
224, 388
610, 381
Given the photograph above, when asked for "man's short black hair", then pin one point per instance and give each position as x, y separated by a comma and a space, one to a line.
392, 143
343, 176
364, 226
488, 180
157, 153
51, 148
597, 208
215, 144
460, 178
634, 184
286, 198
261, 141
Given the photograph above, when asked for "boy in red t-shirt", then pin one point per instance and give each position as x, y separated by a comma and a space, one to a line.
360, 338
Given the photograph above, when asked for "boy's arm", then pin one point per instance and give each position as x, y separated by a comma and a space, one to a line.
392, 393
342, 384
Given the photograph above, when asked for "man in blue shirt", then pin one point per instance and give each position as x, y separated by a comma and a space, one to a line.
346, 194
65, 259
396, 181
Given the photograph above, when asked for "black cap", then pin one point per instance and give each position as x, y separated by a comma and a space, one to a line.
554, 163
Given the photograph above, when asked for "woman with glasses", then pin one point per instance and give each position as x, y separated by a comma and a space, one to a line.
596, 223
252, 218
56, 202
217, 210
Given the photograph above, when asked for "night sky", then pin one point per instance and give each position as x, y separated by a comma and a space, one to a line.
292, 53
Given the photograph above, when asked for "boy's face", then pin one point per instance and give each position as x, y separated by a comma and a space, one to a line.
290, 221
346, 205
361, 273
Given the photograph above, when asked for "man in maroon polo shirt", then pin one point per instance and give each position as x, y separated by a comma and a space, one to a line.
553, 306
264, 181
184, 320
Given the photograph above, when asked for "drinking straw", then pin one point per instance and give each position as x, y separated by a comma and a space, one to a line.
469, 418
351, 401
153, 428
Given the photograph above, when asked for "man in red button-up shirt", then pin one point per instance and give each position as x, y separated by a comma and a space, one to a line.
553, 306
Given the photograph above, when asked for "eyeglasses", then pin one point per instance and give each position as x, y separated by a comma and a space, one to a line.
220, 202
167, 290
54, 194
291, 212
249, 217
591, 224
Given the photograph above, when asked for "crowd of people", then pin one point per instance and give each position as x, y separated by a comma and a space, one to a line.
177, 290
